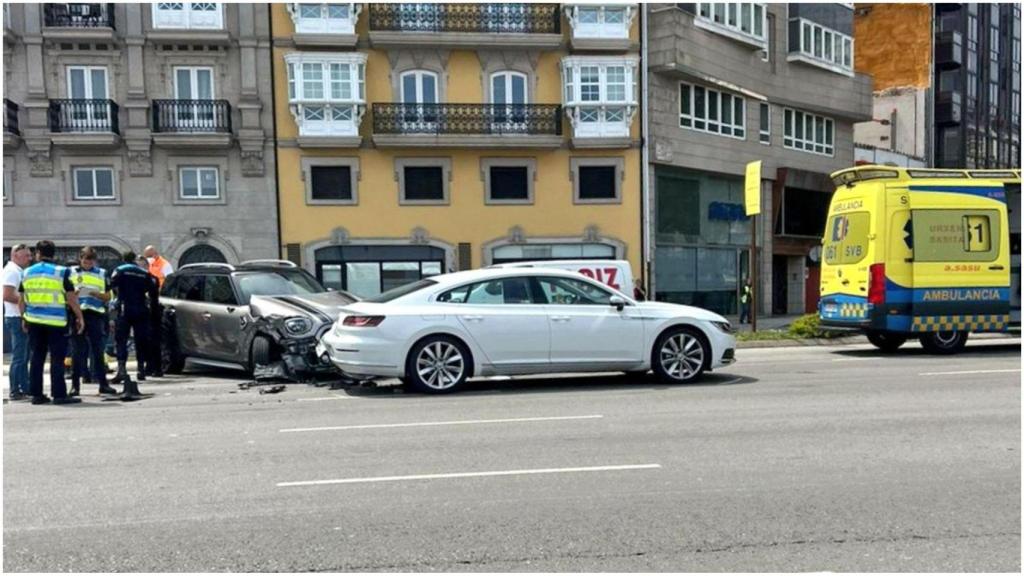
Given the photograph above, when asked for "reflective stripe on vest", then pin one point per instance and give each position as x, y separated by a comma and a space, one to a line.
43, 286
96, 279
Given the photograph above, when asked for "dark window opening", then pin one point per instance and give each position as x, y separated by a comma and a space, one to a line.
331, 182
597, 182
510, 183
803, 213
424, 183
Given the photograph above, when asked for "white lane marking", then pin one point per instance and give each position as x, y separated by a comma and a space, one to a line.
470, 475
448, 423
969, 372
335, 397
853, 359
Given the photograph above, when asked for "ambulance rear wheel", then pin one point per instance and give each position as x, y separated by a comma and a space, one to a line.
949, 342
886, 341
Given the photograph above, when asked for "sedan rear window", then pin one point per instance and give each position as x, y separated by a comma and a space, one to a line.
400, 291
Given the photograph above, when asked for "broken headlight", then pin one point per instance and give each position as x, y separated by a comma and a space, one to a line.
298, 326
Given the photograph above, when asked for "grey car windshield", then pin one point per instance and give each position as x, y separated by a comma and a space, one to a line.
273, 283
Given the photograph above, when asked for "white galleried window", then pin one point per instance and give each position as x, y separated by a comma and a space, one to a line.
324, 18
600, 20
188, 15
599, 94
712, 111
327, 92
820, 46
743, 21
808, 132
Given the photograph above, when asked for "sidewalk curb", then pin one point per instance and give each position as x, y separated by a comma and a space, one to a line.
848, 341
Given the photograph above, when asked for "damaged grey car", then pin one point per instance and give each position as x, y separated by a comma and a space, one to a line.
261, 316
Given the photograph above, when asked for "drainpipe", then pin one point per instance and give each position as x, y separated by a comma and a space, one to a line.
273, 132
645, 181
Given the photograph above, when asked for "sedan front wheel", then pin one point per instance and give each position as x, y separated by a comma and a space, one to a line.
680, 355
437, 365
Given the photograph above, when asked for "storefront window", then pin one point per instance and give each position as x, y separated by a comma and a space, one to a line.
705, 277
565, 251
367, 271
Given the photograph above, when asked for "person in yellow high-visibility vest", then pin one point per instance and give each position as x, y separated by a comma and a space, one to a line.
47, 294
93, 294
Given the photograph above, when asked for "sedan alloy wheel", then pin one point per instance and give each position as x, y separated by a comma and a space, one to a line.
438, 365
680, 356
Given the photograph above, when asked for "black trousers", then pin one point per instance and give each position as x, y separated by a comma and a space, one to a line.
155, 336
89, 345
42, 340
138, 325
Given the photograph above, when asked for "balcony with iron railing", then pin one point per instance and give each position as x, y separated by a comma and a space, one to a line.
189, 123
79, 21
512, 25
476, 125
84, 122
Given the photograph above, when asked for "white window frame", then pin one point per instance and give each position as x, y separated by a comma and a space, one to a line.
94, 198
323, 114
836, 49
603, 117
199, 186
324, 24
194, 76
700, 121
708, 13
808, 141
601, 28
765, 136
171, 15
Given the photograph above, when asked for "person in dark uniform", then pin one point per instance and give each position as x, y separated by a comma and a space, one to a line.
154, 360
135, 289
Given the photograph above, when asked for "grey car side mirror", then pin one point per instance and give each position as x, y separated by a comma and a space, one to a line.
618, 302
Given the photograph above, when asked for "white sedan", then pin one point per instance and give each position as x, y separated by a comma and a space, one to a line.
436, 333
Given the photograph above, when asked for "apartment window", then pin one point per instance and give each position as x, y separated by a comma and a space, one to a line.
808, 132
598, 21
597, 180
93, 183
707, 110
508, 180
423, 180
331, 183
599, 94
765, 133
324, 18
327, 92
821, 46
188, 15
199, 182
743, 21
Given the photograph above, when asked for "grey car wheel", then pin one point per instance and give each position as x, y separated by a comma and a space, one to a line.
438, 365
680, 355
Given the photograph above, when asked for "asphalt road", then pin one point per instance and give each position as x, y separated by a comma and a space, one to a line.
791, 460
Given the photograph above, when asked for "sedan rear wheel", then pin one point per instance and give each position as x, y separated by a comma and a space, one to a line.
438, 365
680, 355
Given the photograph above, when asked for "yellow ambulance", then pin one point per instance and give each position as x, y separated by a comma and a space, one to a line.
922, 253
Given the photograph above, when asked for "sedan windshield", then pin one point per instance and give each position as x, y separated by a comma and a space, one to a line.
400, 291
277, 283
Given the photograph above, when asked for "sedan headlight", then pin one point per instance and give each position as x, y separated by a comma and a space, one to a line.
297, 326
723, 326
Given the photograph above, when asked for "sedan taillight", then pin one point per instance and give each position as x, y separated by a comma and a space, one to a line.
362, 321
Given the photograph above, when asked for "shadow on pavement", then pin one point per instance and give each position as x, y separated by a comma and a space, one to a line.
543, 385
971, 350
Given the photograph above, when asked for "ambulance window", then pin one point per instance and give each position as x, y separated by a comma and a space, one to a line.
846, 238
956, 235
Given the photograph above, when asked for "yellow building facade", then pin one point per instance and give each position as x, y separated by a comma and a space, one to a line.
416, 139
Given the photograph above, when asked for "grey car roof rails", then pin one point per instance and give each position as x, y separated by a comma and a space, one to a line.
207, 265
270, 262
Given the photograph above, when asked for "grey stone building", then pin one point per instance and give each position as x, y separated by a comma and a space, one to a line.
728, 84
135, 124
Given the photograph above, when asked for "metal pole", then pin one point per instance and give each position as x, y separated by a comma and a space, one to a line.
754, 286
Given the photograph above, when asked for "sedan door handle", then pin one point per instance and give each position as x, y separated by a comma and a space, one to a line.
560, 318
473, 318
207, 315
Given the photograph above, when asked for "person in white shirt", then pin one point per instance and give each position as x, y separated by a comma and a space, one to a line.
21, 257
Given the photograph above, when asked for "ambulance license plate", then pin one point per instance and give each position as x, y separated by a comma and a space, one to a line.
830, 309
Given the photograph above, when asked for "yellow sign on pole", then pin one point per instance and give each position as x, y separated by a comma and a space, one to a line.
752, 188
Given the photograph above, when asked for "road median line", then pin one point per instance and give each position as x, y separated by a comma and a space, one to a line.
470, 475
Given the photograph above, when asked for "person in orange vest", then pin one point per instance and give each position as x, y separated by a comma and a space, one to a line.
157, 265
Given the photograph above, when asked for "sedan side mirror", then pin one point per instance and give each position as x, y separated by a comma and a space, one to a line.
618, 302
